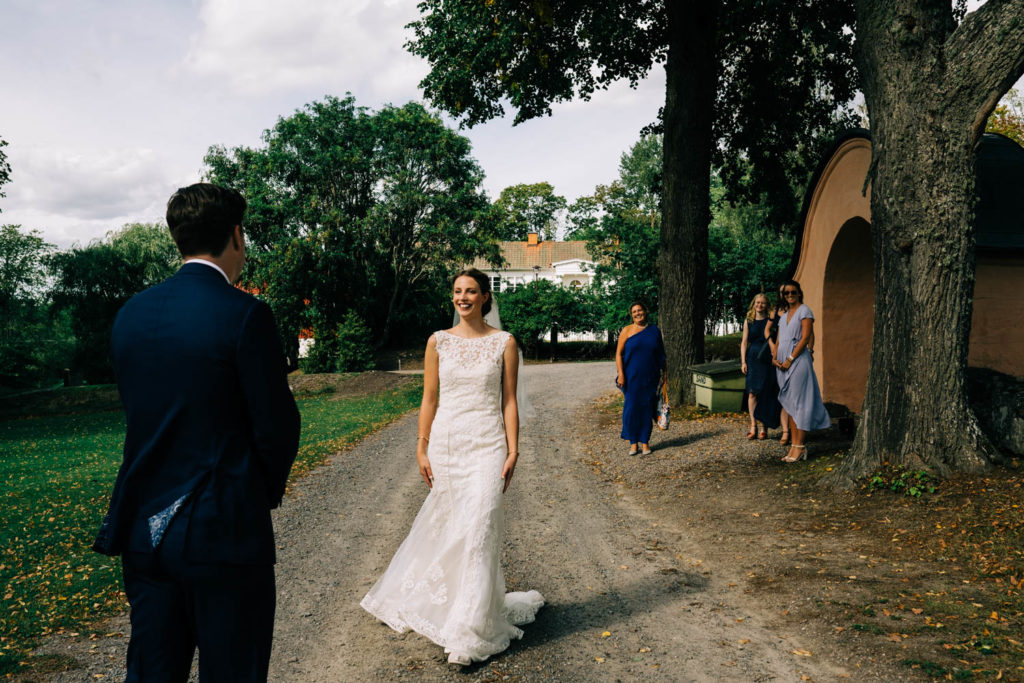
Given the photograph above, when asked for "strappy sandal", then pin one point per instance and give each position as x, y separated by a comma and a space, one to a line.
752, 434
802, 456
762, 435
784, 439
633, 451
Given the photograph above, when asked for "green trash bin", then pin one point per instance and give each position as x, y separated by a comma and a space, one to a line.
719, 385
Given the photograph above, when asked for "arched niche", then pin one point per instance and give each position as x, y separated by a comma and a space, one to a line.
848, 293
837, 214
834, 264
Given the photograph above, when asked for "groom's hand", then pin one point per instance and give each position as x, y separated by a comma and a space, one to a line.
508, 470
425, 471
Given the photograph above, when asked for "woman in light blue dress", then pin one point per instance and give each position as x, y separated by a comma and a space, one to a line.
798, 385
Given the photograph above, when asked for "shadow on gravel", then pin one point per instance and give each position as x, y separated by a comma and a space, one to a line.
687, 439
601, 612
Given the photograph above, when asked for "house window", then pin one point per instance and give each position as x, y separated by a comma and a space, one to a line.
575, 284
495, 283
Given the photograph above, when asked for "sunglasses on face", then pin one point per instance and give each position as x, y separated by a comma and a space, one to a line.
789, 292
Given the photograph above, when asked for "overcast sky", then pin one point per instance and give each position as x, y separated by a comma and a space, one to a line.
109, 106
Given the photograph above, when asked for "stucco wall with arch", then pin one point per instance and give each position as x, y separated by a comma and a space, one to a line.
838, 204
835, 269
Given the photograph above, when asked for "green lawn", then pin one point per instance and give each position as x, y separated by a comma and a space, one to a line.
57, 473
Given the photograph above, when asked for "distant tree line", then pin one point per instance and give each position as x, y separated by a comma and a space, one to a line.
356, 221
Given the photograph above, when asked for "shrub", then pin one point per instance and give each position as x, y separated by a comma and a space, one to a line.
354, 346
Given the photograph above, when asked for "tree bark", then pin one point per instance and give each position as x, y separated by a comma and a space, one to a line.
929, 88
691, 71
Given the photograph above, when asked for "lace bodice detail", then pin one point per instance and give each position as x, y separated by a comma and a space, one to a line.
469, 371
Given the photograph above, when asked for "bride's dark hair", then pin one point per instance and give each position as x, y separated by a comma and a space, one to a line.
483, 281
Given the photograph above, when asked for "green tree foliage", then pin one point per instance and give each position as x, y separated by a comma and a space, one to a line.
30, 344
1008, 117
356, 210
745, 79
5, 168
91, 283
522, 209
621, 223
745, 257
355, 348
529, 311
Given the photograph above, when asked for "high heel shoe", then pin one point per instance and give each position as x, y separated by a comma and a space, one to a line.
802, 456
752, 434
784, 439
762, 435
461, 660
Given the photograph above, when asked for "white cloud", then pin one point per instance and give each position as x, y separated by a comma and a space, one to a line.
265, 46
77, 195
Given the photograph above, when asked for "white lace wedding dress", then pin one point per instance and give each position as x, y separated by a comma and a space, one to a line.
445, 581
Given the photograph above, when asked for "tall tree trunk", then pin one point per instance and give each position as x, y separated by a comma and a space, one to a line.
929, 90
691, 71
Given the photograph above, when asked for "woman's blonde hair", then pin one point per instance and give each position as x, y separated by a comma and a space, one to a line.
751, 315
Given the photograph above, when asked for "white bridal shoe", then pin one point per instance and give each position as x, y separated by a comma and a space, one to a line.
461, 660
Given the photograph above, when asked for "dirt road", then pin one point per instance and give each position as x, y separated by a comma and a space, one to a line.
629, 597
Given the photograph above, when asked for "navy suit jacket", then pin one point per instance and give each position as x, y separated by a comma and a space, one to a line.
212, 428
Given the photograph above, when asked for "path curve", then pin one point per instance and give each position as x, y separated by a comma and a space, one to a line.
630, 597
602, 563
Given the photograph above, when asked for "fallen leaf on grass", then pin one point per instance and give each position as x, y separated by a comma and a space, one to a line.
801, 653
895, 637
606, 634
644, 649
917, 610
598, 659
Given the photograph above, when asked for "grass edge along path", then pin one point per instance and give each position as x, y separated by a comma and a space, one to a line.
57, 472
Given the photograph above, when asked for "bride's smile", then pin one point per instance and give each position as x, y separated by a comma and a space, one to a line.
466, 296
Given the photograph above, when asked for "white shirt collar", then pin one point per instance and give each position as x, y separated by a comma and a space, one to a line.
212, 265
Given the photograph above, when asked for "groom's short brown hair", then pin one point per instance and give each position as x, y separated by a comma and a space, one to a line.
201, 217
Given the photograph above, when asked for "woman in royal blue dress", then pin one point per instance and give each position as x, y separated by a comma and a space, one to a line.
640, 359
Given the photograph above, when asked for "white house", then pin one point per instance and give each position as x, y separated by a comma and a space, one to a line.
565, 263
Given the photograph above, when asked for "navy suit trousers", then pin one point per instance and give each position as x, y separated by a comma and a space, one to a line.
227, 611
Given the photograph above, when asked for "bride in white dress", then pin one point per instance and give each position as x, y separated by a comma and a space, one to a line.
445, 581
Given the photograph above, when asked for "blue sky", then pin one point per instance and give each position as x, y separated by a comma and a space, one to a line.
108, 106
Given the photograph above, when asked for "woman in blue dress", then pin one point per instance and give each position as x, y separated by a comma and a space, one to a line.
640, 359
798, 385
762, 401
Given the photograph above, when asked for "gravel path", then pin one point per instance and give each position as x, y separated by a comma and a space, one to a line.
629, 597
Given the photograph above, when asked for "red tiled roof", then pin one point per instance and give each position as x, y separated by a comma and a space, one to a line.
521, 256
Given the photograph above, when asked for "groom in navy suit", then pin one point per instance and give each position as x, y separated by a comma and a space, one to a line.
212, 434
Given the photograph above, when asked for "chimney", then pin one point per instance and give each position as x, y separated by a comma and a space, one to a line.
531, 239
